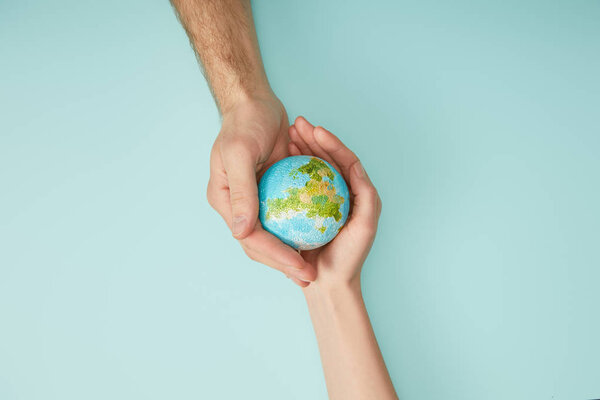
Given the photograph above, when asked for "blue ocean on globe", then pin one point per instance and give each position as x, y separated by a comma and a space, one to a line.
304, 201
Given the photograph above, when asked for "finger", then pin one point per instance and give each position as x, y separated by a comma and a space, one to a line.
300, 283
217, 191
297, 275
298, 141
283, 256
240, 167
290, 272
218, 198
342, 155
306, 131
366, 206
367, 203
294, 150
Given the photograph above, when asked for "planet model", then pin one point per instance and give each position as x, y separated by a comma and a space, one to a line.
304, 201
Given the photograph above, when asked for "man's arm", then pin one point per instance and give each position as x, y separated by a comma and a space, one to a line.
223, 36
254, 130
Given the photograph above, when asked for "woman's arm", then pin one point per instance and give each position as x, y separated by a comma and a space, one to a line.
352, 362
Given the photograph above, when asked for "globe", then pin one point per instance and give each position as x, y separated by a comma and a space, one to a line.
304, 201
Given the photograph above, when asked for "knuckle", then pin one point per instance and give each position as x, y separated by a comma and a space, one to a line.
247, 246
251, 255
237, 146
210, 195
237, 198
209, 186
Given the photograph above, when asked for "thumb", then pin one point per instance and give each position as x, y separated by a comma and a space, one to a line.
243, 193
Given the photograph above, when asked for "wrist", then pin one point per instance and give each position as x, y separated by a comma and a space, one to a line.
242, 95
320, 291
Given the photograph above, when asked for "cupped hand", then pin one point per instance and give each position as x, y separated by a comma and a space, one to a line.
340, 261
253, 136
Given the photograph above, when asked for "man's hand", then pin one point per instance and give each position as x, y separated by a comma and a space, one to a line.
253, 136
254, 131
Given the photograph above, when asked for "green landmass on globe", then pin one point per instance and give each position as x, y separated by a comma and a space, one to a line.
318, 197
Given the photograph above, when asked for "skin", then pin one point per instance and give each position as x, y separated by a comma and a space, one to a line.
254, 131
254, 135
352, 361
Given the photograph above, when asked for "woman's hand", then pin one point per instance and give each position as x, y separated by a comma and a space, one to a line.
340, 261
352, 362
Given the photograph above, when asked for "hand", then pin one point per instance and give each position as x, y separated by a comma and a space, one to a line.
340, 261
352, 362
253, 136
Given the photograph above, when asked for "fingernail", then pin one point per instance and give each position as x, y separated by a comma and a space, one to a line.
359, 170
298, 274
239, 223
296, 267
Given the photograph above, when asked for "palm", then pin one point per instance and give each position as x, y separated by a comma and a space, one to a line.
324, 258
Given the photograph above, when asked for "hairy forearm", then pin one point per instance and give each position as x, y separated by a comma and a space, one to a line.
224, 39
352, 362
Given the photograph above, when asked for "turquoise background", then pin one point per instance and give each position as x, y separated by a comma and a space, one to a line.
478, 122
